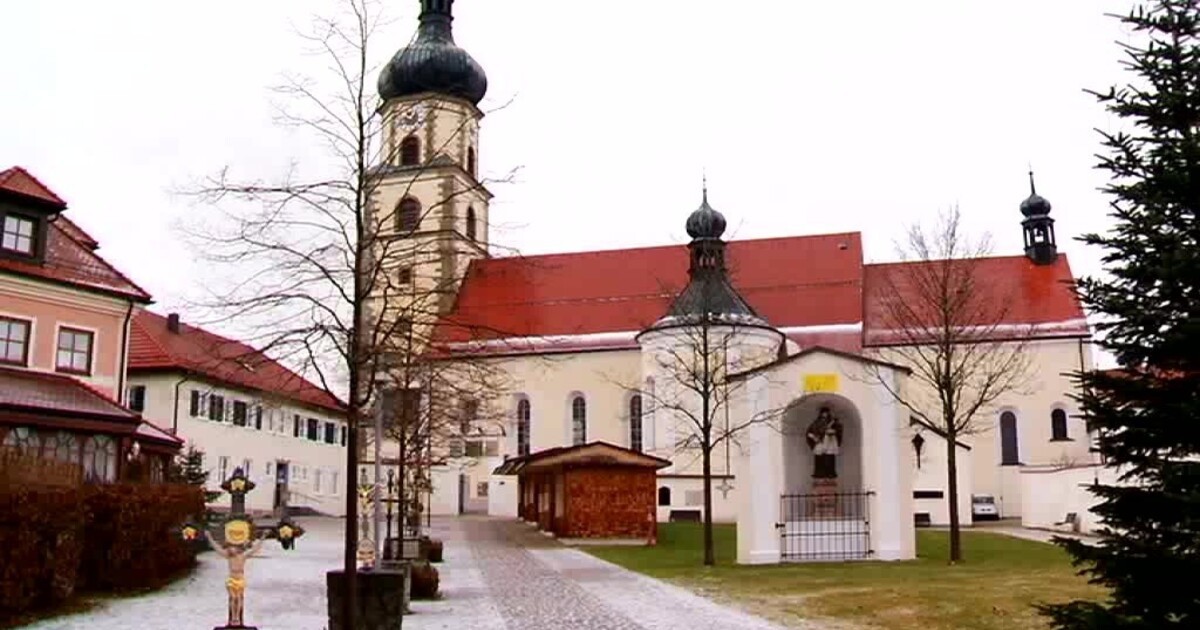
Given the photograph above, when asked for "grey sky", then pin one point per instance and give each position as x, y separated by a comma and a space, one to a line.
809, 117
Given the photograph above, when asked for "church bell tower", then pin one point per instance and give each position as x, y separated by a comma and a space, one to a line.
1040, 244
429, 198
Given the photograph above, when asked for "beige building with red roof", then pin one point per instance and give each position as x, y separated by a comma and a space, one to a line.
582, 336
243, 409
65, 314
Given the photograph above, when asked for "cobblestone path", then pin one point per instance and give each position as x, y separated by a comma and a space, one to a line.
500, 574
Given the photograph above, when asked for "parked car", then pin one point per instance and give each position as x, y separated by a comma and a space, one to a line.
983, 508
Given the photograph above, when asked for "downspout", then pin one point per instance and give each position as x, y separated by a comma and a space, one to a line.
175, 406
122, 395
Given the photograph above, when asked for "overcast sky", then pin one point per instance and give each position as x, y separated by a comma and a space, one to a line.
808, 116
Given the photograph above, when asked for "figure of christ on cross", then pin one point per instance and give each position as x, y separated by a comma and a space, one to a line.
236, 549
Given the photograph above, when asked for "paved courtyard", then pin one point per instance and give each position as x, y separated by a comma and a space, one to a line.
504, 575
498, 575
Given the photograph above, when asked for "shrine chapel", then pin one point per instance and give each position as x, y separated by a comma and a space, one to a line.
820, 462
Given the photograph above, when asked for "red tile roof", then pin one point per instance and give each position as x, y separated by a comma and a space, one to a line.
57, 393
627, 290
71, 256
810, 287
153, 347
1019, 297
18, 180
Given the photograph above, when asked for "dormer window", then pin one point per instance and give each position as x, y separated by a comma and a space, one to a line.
17, 234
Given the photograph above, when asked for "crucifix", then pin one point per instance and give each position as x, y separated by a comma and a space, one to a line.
239, 542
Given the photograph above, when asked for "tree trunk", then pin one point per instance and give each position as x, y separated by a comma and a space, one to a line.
350, 552
709, 554
952, 496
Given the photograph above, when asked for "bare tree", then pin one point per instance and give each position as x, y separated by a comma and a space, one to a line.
937, 315
326, 278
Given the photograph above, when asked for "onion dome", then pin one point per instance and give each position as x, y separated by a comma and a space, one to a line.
1035, 204
705, 222
433, 63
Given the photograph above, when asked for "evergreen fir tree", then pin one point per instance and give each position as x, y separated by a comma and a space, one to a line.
189, 469
1147, 415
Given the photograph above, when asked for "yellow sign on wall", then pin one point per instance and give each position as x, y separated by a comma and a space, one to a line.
820, 383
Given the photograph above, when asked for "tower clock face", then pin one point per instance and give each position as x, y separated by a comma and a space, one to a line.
411, 118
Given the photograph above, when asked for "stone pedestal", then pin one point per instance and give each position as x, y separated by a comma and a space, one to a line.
381, 599
824, 503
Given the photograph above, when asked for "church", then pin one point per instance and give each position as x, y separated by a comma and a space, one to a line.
817, 447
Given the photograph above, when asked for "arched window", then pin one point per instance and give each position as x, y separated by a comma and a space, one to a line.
62, 446
664, 496
523, 427
24, 439
100, 458
408, 215
1009, 455
635, 422
578, 420
471, 224
1058, 425
471, 161
410, 151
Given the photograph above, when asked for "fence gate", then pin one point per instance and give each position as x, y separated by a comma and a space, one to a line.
826, 526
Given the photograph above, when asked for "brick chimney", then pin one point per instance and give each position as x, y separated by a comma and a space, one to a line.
173, 323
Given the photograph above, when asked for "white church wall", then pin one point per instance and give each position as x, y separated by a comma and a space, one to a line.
1047, 387
1049, 493
931, 484
502, 496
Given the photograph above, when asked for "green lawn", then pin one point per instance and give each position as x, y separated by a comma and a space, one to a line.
995, 588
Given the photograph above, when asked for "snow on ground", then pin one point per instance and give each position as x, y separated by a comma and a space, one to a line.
285, 590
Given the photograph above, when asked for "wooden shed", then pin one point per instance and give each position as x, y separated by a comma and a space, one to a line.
593, 490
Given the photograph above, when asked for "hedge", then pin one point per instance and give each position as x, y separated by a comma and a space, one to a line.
54, 541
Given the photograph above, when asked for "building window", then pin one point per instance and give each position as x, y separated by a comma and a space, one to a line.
333, 483
137, 397
61, 446
664, 496
405, 275
481, 489
474, 448
74, 352
330, 433
1009, 455
470, 415
578, 420
216, 408
408, 215
1058, 425
523, 427
343, 435
14, 341
17, 234
296, 425
258, 415
410, 151
247, 469
314, 430
471, 161
471, 224
222, 469
317, 480
635, 422
100, 458
239, 413
24, 439
194, 404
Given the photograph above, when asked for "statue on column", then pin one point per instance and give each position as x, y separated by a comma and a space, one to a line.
824, 437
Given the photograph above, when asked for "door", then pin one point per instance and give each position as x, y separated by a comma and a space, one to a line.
281, 484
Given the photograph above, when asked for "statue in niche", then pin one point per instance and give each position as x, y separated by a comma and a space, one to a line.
824, 437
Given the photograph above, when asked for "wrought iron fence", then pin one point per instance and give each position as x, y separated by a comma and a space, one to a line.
825, 526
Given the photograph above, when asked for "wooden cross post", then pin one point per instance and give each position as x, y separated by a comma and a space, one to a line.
240, 541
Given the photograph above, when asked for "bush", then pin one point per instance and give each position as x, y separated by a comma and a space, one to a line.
424, 581
41, 536
132, 535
